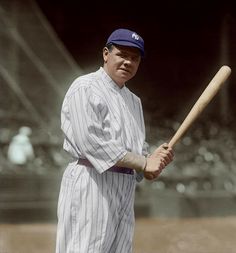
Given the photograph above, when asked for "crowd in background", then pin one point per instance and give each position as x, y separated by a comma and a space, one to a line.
27, 150
204, 157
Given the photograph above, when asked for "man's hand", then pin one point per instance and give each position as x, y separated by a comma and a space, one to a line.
157, 161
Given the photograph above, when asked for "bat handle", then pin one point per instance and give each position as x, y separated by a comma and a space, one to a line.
172, 142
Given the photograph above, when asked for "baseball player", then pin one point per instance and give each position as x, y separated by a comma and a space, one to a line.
103, 125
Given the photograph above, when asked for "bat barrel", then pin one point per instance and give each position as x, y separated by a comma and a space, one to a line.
206, 96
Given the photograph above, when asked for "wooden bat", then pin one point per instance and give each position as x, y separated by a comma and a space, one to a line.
206, 96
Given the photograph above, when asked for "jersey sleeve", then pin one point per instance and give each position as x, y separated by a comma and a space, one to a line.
92, 129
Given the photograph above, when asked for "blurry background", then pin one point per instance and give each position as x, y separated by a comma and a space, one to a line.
44, 45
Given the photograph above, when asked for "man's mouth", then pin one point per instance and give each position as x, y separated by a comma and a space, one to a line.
126, 70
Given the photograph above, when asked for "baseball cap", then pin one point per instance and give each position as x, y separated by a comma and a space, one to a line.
125, 37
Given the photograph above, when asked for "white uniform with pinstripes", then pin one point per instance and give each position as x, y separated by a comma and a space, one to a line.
101, 122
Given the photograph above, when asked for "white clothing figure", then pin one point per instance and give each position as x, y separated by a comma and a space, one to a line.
20, 149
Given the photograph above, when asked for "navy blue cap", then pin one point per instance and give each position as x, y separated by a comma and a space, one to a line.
125, 37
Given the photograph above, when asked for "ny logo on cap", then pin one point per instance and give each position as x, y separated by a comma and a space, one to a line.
135, 36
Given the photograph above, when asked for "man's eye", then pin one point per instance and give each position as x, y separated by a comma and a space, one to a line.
135, 58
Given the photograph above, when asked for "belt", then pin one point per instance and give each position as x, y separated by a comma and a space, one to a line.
116, 169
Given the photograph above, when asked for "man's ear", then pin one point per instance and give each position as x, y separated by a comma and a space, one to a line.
105, 53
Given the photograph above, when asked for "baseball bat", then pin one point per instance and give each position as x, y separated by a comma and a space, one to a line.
204, 99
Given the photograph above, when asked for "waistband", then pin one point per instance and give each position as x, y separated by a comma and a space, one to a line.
116, 169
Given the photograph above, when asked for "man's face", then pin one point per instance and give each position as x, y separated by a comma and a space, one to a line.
121, 63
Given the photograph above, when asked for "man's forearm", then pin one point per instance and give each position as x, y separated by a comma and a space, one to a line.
133, 161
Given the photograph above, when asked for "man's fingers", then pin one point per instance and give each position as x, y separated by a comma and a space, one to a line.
166, 158
152, 175
158, 160
149, 175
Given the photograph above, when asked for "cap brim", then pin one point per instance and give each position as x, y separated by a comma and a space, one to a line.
128, 44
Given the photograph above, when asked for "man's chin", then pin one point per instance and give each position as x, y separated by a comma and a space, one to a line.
126, 76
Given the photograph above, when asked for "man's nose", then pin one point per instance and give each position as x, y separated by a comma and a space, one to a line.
128, 61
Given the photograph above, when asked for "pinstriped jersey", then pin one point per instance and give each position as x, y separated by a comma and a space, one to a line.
101, 121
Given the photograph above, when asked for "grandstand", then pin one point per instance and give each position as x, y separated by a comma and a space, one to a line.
35, 71
35, 67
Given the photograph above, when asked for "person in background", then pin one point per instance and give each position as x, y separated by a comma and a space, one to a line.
103, 125
21, 150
